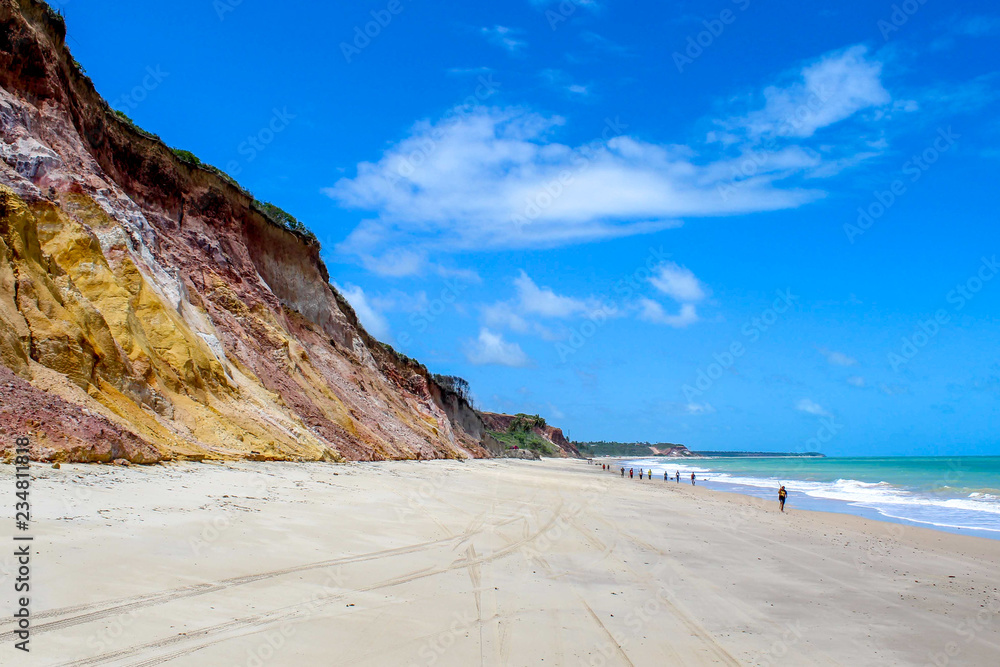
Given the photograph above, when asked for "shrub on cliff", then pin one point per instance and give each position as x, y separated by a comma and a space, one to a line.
523, 422
283, 218
525, 440
186, 157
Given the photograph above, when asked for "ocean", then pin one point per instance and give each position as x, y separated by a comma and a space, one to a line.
958, 494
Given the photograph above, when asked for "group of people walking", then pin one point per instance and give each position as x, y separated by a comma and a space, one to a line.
782, 493
649, 473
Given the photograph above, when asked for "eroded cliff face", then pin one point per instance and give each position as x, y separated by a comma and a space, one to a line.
554, 436
148, 310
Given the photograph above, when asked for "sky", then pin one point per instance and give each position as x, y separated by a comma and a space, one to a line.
735, 225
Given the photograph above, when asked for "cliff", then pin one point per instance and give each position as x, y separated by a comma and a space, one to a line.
150, 309
531, 432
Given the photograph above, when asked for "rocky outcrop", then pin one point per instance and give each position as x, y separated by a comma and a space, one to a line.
150, 309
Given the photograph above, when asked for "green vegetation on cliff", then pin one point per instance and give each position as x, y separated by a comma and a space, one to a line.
521, 433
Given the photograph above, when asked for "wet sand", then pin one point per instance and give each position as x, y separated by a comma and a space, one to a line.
479, 563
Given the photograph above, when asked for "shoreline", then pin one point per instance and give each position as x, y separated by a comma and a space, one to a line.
487, 561
804, 500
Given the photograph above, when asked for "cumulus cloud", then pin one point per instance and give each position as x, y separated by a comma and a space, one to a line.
856, 381
828, 91
371, 319
492, 178
811, 407
680, 284
497, 176
677, 282
543, 301
491, 349
838, 358
653, 311
532, 303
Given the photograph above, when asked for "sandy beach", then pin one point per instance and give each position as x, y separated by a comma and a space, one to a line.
479, 563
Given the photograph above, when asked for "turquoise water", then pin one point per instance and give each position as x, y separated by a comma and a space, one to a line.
960, 493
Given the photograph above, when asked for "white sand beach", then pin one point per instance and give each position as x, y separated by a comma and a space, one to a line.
479, 563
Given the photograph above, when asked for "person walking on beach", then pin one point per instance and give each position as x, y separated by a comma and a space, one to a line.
650, 474
692, 479
782, 494
623, 471
631, 473
678, 476
640, 473
664, 475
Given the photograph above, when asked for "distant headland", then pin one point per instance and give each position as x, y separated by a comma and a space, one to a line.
669, 449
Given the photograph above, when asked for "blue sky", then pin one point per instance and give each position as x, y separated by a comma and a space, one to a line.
732, 225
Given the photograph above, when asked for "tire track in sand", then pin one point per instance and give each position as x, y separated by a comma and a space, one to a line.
128, 604
289, 613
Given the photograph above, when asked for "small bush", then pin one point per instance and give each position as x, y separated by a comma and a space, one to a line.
187, 157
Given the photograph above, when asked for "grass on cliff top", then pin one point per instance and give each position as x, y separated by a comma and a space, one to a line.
525, 440
277, 215
521, 433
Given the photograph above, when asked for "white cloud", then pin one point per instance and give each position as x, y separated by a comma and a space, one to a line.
405, 262
856, 381
699, 408
531, 303
491, 349
837, 358
497, 177
653, 311
833, 88
372, 320
492, 178
543, 301
677, 282
505, 38
811, 407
